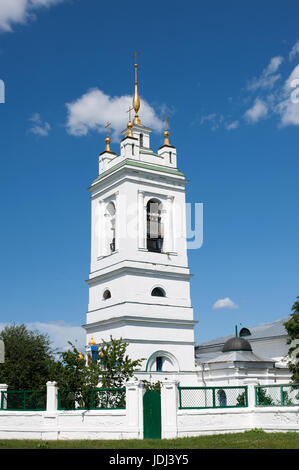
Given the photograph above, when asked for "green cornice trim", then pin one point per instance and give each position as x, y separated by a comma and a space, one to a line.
149, 152
138, 164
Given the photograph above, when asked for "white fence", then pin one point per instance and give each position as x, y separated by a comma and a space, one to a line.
128, 423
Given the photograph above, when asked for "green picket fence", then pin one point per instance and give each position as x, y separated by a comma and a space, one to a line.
212, 397
96, 399
23, 400
277, 395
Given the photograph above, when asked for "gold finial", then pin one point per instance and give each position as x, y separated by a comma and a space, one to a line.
108, 140
92, 342
136, 100
166, 133
130, 125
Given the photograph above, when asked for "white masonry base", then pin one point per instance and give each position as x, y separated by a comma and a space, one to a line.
204, 422
128, 424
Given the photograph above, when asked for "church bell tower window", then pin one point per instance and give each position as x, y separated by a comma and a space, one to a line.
111, 214
154, 226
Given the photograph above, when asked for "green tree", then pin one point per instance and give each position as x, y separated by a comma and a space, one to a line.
262, 398
74, 379
28, 358
152, 385
292, 327
241, 399
111, 370
115, 366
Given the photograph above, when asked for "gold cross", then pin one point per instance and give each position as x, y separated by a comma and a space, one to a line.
129, 111
107, 127
136, 54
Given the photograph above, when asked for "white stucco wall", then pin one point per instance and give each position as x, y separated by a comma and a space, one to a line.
201, 422
110, 424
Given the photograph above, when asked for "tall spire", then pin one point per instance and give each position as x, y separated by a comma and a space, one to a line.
136, 100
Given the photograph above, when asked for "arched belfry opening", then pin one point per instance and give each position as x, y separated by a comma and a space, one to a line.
154, 236
111, 217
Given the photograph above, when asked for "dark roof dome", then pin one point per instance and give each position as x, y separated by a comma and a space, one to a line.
236, 344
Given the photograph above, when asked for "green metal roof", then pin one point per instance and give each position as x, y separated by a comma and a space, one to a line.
138, 164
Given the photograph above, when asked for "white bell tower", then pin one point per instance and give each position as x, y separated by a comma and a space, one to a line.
139, 278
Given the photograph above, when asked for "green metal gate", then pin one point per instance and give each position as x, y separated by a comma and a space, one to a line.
152, 415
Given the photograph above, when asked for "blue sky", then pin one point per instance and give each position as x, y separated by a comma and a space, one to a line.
225, 73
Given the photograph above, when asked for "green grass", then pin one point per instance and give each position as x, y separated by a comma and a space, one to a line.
255, 439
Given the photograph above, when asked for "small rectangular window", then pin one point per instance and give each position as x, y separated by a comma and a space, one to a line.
133, 149
170, 157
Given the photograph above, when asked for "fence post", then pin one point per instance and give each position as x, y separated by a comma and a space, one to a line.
169, 408
134, 393
251, 383
52, 392
3, 398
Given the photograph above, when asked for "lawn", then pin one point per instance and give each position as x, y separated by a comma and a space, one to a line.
254, 439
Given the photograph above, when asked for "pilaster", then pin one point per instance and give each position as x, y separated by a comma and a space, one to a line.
169, 408
52, 394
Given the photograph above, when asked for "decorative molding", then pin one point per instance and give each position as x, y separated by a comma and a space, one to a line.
142, 303
139, 271
170, 171
127, 319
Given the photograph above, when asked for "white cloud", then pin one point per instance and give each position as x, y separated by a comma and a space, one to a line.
267, 78
225, 303
94, 109
258, 111
294, 51
212, 119
60, 333
207, 118
288, 107
19, 11
39, 127
232, 125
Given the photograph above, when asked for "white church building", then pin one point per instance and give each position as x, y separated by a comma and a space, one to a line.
139, 290
139, 282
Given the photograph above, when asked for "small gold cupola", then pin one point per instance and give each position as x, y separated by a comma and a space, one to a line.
129, 125
166, 133
136, 99
108, 140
